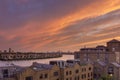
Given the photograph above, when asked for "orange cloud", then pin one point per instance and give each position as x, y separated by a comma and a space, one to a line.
35, 35
92, 10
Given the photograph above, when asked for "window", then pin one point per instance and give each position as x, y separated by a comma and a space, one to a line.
29, 78
99, 75
46, 75
88, 75
91, 74
57, 79
55, 74
66, 72
62, 63
5, 73
75, 78
53, 63
83, 69
78, 77
110, 70
41, 76
113, 49
82, 76
95, 75
77, 71
89, 68
70, 72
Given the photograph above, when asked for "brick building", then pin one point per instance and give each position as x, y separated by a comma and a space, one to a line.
56, 70
105, 59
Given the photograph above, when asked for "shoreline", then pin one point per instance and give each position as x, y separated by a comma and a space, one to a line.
28, 59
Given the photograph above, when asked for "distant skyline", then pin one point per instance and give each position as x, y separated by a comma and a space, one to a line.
53, 25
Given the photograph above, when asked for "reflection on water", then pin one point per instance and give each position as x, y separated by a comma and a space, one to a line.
29, 62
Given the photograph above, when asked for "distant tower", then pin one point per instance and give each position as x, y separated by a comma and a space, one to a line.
10, 50
5, 51
113, 46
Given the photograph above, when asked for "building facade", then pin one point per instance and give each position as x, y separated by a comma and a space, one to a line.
56, 70
40, 72
105, 59
74, 70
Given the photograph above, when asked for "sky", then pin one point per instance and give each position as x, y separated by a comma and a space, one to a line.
58, 25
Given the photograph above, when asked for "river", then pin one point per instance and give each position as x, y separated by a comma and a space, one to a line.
29, 62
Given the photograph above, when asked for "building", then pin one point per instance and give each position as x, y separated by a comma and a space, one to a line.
56, 70
40, 72
102, 69
74, 70
105, 59
11, 55
9, 71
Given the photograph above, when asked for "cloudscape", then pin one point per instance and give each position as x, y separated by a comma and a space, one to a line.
52, 25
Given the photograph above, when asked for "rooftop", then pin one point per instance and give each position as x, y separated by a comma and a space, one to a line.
116, 64
114, 40
101, 63
40, 66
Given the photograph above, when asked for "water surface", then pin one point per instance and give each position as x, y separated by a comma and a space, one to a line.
29, 62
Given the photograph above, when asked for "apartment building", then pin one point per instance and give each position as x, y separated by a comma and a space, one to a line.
105, 59
9, 71
56, 70
74, 70
40, 72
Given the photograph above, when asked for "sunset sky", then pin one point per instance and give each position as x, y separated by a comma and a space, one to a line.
52, 25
